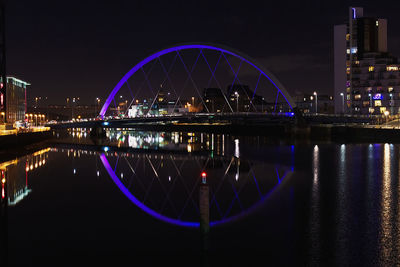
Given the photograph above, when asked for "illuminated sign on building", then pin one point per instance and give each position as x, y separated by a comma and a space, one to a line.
377, 96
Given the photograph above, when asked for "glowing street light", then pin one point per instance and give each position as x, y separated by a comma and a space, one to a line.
370, 100
316, 102
342, 95
237, 101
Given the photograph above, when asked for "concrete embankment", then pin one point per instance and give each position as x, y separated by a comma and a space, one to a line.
355, 134
20, 140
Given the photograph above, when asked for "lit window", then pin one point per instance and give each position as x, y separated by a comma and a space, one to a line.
357, 62
382, 109
348, 97
357, 97
377, 23
390, 89
347, 37
378, 103
392, 68
371, 110
348, 50
354, 50
371, 68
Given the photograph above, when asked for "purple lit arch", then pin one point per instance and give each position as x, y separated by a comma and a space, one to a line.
189, 224
281, 89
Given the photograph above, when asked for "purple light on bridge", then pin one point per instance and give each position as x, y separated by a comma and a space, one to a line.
244, 58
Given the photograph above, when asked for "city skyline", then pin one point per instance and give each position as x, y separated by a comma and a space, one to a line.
65, 51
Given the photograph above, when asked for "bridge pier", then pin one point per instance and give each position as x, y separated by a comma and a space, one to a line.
97, 134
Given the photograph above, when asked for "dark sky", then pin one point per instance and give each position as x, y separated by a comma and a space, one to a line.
82, 48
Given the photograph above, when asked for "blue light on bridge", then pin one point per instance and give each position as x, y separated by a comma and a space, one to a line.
106, 148
106, 123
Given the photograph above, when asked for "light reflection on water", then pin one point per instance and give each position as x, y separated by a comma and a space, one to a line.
315, 209
346, 197
389, 221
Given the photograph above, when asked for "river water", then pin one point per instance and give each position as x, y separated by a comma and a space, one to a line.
200, 199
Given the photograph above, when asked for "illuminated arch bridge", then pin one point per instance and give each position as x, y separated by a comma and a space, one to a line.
197, 78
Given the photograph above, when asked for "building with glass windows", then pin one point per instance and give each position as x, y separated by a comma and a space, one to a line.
366, 76
14, 100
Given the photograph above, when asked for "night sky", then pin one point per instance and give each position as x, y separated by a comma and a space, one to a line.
82, 48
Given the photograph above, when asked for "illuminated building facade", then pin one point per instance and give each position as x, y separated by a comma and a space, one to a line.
14, 101
366, 76
15, 174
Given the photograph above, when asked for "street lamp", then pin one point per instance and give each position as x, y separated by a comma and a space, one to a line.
237, 101
391, 104
262, 105
193, 101
370, 100
342, 95
316, 102
96, 104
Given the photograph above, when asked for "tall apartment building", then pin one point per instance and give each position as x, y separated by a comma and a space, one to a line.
366, 76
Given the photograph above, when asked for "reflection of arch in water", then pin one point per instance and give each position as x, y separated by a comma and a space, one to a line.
170, 220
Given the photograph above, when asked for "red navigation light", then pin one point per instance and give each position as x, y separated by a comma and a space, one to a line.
204, 174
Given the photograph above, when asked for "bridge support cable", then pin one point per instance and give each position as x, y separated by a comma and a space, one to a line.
237, 78
276, 100
213, 76
188, 78
169, 79
235, 62
234, 78
191, 78
151, 89
254, 93
139, 88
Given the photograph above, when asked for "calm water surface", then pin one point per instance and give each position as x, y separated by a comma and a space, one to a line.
138, 198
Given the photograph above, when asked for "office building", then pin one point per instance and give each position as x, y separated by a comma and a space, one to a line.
14, 100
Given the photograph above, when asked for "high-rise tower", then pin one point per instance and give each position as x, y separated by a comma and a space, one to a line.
363, 69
